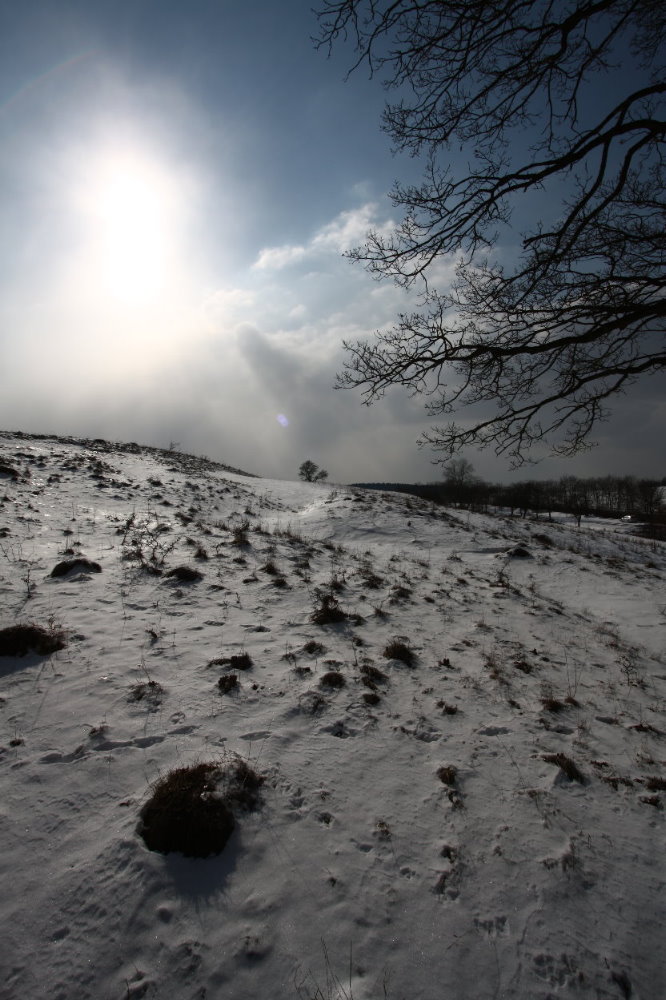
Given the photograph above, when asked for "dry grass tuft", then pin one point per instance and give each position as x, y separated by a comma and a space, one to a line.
228, 683
566, 765
399, 650
185, 813
185, 574
332, 679
372, 675
328, 610
17, 640
239, 661
148, 693
314, 648
551, 704
80, 564
447, 775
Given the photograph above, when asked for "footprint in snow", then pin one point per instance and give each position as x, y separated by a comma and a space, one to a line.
561, 971
55, 757
259, 734
339, 729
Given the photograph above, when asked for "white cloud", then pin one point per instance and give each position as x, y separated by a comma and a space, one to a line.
349, 229
346, 231
275, 258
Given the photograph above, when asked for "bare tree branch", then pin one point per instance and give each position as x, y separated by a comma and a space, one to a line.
549, 342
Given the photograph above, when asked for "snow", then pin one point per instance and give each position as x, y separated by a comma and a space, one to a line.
364, 873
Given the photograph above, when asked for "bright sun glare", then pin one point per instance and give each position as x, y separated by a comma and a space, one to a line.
133, 237
132, 210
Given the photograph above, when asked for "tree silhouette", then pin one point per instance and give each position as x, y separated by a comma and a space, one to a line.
459, 472
311, 473
563, 100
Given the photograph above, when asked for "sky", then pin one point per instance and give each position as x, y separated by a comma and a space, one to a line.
178, 184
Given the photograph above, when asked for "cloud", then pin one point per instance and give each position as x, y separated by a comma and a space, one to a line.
242, 371
350, 229
347, 230
275, 258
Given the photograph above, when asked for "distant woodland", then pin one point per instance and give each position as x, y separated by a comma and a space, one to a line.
644, 500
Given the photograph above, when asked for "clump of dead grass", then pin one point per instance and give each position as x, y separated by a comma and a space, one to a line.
228, 683
185, 574
238, 661
399, 649
80, 564
567, 766
148, 693
17, 640
332, 679
327, 610
185, 814
371, 676
191, 809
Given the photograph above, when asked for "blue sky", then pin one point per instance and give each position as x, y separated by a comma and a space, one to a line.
177, 185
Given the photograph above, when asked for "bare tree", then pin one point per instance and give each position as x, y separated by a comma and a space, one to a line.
311, 473
564, 98
459, 472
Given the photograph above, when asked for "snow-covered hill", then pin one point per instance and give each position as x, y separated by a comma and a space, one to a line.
471, 807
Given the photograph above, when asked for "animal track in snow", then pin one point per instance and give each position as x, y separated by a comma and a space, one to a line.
561, 971
339, 729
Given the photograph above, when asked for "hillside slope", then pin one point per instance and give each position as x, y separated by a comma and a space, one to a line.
471, 807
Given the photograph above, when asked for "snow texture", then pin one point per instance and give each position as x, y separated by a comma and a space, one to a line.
420, 835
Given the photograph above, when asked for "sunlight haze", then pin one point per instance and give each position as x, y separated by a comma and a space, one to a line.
177, 188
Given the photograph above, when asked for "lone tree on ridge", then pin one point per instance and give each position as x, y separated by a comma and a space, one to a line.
557, 104
311, 473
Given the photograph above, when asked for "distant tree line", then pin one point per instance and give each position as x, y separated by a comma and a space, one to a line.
605, 496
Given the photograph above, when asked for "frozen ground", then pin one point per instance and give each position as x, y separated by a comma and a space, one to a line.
419, 838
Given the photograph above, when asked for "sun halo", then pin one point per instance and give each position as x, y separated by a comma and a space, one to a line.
133, 221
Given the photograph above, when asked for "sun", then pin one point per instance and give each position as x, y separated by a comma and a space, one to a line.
132, 216
133, 234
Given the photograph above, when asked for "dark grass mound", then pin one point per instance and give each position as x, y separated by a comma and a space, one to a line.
241, 785
313, 648
148, 693
328, 611
372, 675
519, 552
186, 814
17, 640
332, 679
399, 650
228, 683
567, 766
191, 809
447, 775
80, 564
185, 574
238, 661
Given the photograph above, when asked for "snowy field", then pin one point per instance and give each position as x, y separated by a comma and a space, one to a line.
471, 807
